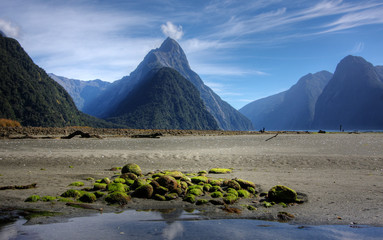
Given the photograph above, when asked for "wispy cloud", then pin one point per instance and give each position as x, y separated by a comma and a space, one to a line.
171, 30
358, 48
9, 28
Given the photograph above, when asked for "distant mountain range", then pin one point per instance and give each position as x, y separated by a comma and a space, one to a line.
30, 96
81, 91
350, 99
170, 55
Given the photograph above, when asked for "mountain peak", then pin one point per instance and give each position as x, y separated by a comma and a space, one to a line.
2, 34
169, 44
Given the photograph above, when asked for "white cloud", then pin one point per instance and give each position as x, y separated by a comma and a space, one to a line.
171, 30
359, 47
9, 29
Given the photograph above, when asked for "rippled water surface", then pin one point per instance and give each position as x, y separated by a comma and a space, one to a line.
178, 224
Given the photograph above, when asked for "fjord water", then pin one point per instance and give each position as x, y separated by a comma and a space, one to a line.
178, 224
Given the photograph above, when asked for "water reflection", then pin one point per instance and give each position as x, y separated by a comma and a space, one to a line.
178, 224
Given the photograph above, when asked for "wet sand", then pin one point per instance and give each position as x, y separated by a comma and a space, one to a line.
341, 173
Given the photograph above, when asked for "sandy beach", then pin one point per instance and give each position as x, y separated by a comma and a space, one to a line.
340, 173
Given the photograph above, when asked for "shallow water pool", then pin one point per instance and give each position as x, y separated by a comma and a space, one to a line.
178, 224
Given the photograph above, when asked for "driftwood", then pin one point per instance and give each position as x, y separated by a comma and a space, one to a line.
33, 185
272, 137
80, 133
153, 135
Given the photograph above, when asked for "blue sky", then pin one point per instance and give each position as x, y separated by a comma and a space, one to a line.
244, 50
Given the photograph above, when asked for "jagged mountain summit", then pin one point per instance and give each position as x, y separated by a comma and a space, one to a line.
30, 96
171, 55
164, 100
353, 98
289, 110
81, 91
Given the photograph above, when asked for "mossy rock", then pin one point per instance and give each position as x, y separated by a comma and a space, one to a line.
202, 201
71, 193
105, 180
245, 184
282, 193
157, 175
232, 184
251, 190
168, 182
200, 187
100, 186
89, 179
175, 174
62, 199
243, 193
190, 198
33, 198
127, 176
230, 198
216, 189
88, 198
99, 194
207, 187
161, 190
119, 180
132, 168
159, 197
186, 179
216, 202
48, 199
216, 194
202, 173
144, 191
267, 204
138, 183
171, 196
199, 179
220, 170
120, 198
251, 208
184, 185
195, 191
129, 182
76, 184
116, 187
215, 182
232, 191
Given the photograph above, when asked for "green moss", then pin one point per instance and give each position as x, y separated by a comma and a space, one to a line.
129, 182
243, 193
215, 182
157, 175
251, 208
171, 196
186, 179
98, 181
184, 185
89, 179
132, 168
175, 174
71, 193
159, 197
100, 186
216, 189
77, 184
190, 198
161, 190
88, 197
233, 184
283, 204
281, 193
105, 180
33, 198
219, 170
119, 180
251, 190
202, 201
195, 191
200, 187
267, 204
116, 187
138, 183
71, 167
62, 199
232, 191
230, 198
207, 187
99, 194
48, 199
118, 198
216, 195
245, 184
199, 179
202, 173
